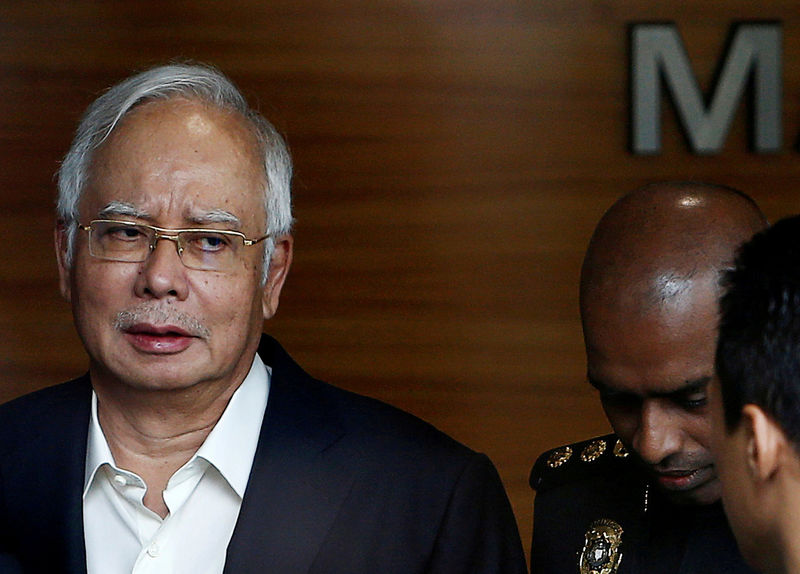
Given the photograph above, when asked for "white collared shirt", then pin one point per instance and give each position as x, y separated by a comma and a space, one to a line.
203, 497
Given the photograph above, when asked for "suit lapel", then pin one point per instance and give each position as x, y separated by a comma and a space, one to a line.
299, 476
51, 483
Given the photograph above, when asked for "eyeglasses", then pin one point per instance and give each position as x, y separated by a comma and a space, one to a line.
203, 249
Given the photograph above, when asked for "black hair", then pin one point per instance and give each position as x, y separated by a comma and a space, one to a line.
758, 346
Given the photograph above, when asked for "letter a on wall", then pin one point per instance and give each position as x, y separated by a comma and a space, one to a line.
658, 55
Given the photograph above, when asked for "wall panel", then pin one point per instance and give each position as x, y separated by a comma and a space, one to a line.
452, 158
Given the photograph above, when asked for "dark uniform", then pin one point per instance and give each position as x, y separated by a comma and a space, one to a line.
595, 513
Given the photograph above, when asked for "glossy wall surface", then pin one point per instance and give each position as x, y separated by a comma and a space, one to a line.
452, 158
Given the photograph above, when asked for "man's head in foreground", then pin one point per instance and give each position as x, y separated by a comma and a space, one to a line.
173, 236
649, 289
757, 411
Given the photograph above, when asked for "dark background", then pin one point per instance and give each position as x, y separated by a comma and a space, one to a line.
452, 159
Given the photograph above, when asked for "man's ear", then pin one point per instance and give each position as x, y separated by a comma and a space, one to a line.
278, 270
766, 442
61, 244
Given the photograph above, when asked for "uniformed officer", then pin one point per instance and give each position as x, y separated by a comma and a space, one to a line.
646, 499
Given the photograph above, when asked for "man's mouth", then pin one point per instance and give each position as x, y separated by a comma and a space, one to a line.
157, 330
158, 339
682, 479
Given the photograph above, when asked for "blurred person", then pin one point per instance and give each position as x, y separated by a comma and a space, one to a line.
195, 443
646, 498
756, 398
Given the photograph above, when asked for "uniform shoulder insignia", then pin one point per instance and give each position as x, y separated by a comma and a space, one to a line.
580, 460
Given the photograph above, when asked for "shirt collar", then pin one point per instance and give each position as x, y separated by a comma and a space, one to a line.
97, 451
231, 444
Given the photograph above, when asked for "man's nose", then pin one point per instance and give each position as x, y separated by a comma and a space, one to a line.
658, 435
163, 273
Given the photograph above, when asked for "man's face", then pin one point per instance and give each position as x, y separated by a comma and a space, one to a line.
731, 453
652, 369
158, 324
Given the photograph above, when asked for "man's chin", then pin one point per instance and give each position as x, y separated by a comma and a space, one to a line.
161, 375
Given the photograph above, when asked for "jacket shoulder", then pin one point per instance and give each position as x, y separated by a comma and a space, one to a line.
75, 389
603, 456
380, 428
23, 418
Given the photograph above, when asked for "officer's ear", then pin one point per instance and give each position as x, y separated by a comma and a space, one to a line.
765, 441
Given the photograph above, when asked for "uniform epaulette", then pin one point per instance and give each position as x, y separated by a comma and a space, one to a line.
579, 461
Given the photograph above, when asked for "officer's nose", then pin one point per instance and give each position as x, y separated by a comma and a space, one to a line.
658, 435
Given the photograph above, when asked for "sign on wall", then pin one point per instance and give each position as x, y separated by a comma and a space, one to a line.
659, 65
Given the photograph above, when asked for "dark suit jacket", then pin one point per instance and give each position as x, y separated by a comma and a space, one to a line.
597, 479
340, 483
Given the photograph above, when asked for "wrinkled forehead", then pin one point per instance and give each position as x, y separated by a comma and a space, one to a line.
191, 118
182, 159
191, 213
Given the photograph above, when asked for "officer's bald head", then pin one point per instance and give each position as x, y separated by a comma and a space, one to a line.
649, 289
651, 243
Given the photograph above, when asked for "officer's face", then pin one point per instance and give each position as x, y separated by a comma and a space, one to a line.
652, 369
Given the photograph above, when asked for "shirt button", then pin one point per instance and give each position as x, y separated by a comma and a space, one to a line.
153, 550
120, 480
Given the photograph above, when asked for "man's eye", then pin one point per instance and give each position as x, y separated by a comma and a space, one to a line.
694, 401
210, 242
123, 233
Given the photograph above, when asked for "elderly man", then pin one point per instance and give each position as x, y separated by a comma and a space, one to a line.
644, 500
756, 401
194, 443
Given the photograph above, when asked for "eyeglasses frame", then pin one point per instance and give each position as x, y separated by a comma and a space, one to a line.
168, 234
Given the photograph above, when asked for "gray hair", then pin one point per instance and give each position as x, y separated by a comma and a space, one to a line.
191, 81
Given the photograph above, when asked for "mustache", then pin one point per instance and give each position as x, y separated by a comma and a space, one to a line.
161, 316
681, 462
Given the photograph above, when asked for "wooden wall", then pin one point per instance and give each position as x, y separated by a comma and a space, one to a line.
452, 158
